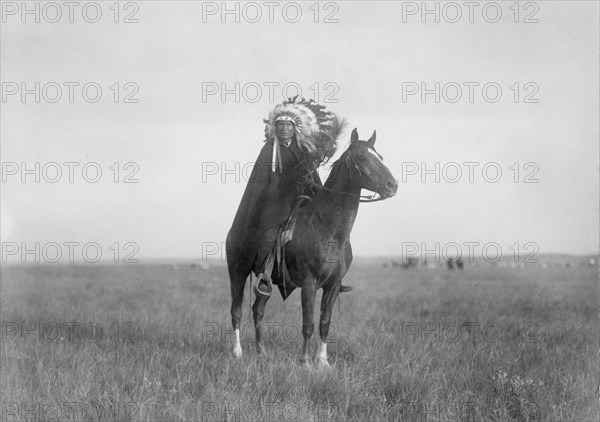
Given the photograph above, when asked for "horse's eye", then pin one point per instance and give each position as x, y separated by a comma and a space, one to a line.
362, 157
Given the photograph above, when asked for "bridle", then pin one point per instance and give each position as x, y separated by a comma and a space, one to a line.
349, 161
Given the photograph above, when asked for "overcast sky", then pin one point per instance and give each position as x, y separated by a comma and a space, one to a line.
366, 67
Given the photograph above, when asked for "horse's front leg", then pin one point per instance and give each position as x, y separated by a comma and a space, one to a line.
329, 297
258, 311
308, 322
237, 298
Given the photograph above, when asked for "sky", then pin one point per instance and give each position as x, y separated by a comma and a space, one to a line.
510, 91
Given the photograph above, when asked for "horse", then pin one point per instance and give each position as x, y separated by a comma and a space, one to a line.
324, 224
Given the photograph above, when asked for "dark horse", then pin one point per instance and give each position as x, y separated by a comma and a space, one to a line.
319, 254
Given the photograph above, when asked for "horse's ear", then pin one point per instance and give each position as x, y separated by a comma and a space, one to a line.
371, 140
354, 138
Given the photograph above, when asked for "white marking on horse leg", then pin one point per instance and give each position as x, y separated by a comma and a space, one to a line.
322, 353
237, 348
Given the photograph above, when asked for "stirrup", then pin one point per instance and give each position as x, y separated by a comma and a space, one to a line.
269, 284
346, 289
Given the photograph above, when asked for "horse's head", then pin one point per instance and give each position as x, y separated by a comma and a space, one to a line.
366, 167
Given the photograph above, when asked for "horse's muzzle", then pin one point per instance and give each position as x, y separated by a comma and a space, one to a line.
390, 189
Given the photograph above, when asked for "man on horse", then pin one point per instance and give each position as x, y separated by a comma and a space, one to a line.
300, 136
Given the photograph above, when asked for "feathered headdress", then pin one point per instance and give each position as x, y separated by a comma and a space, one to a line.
317, 130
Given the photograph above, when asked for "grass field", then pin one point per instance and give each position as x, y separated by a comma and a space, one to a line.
153, 343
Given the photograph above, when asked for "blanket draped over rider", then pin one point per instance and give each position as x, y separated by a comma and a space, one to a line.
278, 177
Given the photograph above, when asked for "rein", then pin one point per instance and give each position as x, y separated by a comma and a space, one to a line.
367, 198
363, 198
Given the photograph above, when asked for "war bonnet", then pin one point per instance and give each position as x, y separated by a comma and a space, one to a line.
317, 129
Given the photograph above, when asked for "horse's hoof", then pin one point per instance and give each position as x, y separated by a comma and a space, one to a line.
323, 364
237, 351
261, 351
305, 361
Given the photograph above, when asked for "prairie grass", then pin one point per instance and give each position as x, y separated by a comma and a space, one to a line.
484, 344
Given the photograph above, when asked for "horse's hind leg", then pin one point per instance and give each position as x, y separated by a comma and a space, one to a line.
308, 321
329, 297
258, 311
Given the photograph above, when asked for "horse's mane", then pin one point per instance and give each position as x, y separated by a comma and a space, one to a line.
335, 168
